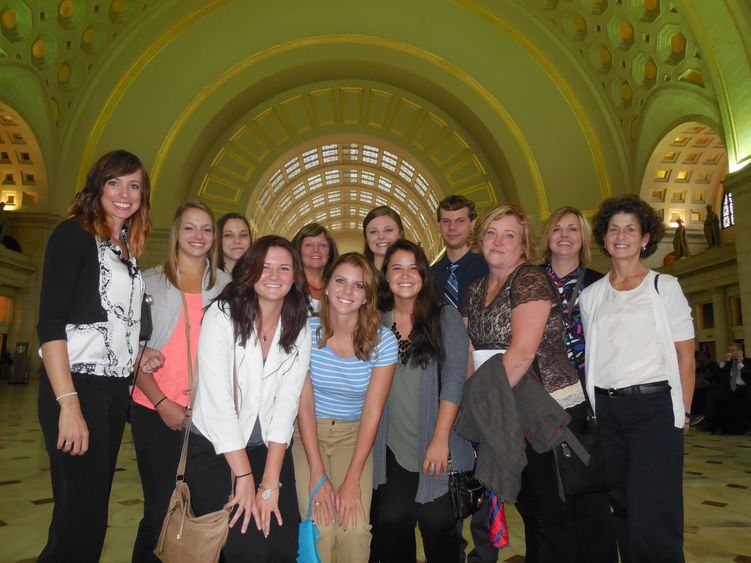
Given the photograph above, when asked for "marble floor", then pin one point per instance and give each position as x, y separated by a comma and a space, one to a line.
716, 492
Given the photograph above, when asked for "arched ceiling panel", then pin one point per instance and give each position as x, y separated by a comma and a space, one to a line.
485, 73
23, 177
373, 135
685, 174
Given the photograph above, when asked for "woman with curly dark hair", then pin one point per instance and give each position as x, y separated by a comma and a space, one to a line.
415, 439
640, 378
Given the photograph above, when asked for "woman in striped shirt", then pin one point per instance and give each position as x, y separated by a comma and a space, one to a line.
352, 364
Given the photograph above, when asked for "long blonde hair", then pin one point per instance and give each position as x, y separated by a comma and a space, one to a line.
368, 331
170, 265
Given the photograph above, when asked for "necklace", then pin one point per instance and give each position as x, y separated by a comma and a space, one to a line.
405, 345
265, 335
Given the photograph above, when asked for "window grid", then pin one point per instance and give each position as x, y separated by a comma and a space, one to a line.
727, 218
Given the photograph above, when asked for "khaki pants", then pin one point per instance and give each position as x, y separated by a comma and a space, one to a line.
336, 439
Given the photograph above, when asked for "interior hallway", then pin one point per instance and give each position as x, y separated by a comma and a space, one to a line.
716, 492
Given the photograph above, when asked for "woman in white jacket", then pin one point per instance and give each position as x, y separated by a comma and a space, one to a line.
257, 328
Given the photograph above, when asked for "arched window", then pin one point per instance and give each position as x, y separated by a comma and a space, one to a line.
727, 216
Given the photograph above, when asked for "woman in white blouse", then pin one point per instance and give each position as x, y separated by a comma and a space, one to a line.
640, 378
257, 328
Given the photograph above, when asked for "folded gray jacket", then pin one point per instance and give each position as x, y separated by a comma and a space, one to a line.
498, 420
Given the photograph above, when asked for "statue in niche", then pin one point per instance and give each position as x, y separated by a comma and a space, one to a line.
680, 242
712, 228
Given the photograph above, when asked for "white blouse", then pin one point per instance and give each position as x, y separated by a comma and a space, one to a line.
627, 351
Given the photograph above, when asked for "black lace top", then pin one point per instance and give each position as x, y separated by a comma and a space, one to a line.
489, 328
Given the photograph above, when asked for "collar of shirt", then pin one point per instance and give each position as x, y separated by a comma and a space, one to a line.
563, 280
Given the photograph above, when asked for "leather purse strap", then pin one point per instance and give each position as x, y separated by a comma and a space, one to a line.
180, 476
191, 389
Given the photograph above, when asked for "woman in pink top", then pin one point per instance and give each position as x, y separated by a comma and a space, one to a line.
161, 395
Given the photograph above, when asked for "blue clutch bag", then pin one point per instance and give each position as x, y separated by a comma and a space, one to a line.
307, 541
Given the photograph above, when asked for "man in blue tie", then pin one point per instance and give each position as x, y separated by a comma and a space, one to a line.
457, 269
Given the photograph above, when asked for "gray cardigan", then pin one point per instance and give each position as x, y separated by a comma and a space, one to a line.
453, 373
166, 304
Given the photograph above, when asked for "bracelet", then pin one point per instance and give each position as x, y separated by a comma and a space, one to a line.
248, 474
66, 395
688, 414
267, 490
159, 402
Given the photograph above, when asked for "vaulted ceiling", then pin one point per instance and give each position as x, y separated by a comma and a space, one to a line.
542, 102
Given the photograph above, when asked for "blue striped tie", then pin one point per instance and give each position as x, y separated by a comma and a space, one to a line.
451, 291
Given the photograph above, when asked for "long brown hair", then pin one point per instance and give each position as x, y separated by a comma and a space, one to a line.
368, 331
241, 298
379, 211
170, 265
427, 343
87, 204
220, 233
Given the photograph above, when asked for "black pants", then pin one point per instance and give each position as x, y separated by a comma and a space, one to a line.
157, 453
549, 529
398, 513
727, 410
590, 513
208, 476
81, 485
483, 551
644, 455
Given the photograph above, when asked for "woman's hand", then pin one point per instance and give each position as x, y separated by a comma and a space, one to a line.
72, 431
349, 504
324, 501
172, 414
245, 499
268, 506
436, 458
151, 360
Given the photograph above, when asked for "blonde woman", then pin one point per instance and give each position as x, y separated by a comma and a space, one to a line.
514, 311
565, 242
352, 364
161, 396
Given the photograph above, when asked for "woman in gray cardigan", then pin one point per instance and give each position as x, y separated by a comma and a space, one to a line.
187, 282
415, 439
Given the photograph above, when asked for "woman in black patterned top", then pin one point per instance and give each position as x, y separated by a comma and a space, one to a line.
565, 243
514, 310
89, 321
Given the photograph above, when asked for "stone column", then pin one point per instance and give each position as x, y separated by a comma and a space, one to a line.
721, 326
739, 184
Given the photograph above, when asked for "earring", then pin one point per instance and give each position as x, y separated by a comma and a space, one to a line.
643, 248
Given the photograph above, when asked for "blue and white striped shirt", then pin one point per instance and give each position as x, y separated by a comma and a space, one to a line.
340, 384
